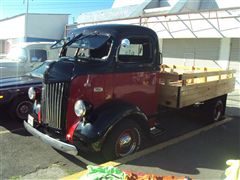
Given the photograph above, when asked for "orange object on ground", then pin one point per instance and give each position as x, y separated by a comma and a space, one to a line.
142, 176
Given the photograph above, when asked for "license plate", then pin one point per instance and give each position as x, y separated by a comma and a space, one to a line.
30, 120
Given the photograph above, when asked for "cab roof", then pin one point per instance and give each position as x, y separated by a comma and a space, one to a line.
117, 30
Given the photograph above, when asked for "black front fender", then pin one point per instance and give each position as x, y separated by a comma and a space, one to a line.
94, 131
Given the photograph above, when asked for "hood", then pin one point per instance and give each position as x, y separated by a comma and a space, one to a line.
64, 70
8, 61
19, 81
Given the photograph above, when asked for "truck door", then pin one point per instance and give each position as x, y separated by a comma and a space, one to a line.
135, 77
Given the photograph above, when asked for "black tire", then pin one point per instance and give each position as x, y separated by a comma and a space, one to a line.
216, 109
20, 108
127, 129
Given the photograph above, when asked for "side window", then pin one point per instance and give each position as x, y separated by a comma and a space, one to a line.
38, 55
139, 51
132, 50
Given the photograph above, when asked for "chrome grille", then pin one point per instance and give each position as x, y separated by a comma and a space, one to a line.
52, 102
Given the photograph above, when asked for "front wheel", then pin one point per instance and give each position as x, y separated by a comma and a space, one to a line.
124, 139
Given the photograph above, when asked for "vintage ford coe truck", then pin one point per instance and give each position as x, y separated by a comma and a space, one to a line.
106, 95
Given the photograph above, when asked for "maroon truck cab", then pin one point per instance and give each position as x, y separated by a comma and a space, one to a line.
102, 93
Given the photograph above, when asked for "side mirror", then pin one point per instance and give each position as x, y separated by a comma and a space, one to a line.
125, 43
160, 58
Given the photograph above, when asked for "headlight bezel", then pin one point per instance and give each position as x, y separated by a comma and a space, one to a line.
32, 93
80, 108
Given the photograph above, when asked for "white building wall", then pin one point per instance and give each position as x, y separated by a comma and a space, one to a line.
224, 53
46, 26
227, 3
12, 28
235, 59
192, 52
122, 3
205, 52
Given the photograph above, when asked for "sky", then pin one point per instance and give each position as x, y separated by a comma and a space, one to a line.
9, 8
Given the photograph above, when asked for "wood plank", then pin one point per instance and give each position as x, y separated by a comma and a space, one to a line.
203, 74
168, 96
211, 92
168, 77
195, 84
179, 67
202, 91
206, 84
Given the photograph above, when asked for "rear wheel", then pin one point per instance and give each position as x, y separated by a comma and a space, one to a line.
20, 108
124, 139
216, 108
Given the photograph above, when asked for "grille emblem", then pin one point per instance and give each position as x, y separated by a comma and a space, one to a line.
98, 89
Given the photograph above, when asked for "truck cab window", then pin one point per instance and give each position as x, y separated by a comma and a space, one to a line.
38, 55
100, 53
139, 51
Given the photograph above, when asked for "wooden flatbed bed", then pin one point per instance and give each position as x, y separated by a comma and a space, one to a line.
181, 86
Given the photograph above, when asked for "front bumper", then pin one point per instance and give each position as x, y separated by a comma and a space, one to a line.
59, 145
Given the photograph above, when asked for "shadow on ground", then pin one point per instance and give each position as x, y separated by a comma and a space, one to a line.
208, 150
9, 124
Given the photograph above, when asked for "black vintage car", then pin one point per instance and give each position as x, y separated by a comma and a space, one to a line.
14, 92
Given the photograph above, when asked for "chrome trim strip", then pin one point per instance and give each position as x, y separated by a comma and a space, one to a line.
52, 98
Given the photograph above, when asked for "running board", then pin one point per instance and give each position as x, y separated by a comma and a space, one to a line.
157, 130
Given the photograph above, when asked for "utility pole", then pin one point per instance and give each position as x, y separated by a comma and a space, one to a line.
27, 5
26, 19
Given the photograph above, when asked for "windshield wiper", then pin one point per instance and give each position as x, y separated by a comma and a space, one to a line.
72, 40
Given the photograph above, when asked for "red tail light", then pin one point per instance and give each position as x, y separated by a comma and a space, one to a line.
69, 135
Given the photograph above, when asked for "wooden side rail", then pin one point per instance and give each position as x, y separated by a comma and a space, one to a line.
183, 86
187, 75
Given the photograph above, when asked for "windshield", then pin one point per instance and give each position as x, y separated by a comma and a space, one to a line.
92, 41
87, 47
17, 54
39, 71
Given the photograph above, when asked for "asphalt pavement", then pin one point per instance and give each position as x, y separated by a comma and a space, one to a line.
22, 154
200, 157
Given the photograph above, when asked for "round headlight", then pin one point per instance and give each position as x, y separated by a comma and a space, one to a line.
80, 108
31, 93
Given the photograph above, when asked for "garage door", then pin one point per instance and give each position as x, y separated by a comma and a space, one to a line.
235, 58
198, 52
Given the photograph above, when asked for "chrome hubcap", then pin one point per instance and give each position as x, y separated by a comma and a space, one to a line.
127, 142
218, 111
